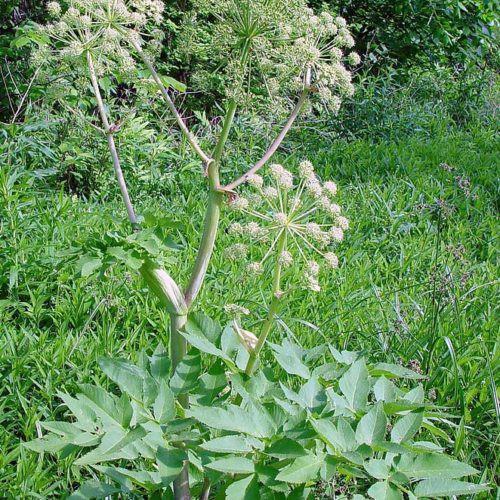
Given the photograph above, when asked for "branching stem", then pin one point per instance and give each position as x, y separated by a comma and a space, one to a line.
182, 125
274, 145
212, 215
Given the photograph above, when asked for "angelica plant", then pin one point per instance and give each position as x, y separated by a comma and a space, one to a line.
230, 427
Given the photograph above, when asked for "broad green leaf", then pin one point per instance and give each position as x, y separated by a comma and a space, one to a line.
200, 324
348, 436
114, 445
88, 265
402, 405
160, 364
390, 370
431, 466
377, 468
285, 448
354, 385
49, 444
164, 405
85, 415
210, 385
384, 491
170, 463
126, 477
197, 339
422, 446
232, 465
406, 427
439, 487
232, 346
169, 81
244, 489
61, 428
416, 395
329, 433
134, 381
302, 469
228, 444
103, 404
372, 426
329, 468
186, 374
313, 395
93, 489
289, 360
344, 357
385, 390
254, 420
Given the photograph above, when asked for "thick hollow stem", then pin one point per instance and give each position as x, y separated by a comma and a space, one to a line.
206, 247
111, 143
273, 307
212, 216
189, 136
178, 349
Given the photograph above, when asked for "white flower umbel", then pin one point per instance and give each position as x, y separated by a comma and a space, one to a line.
298, 219
105, 28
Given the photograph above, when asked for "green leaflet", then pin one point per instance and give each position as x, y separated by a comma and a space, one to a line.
385, 390
93, 489
186, 374
88, 264
377, 468
164, 405
433, 466
302, 469
233, 465
114, 444
394, 371
110, 409
384, 490
372, 426
354, 385
132, 380
244, 489
406, 427
254, 420
289, 359
285, 448
170, 463
438, 487
228, 444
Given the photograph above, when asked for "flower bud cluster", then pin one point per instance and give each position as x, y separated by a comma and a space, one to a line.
296, 209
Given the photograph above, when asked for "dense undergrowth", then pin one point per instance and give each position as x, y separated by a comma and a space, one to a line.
417, 283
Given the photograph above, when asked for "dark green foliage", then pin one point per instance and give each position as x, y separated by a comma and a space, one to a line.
422, 32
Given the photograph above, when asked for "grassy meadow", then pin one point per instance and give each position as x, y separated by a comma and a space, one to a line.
417, 285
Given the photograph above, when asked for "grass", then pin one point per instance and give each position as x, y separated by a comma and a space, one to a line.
418, 283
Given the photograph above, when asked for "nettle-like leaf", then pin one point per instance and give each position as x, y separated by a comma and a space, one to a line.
262, 436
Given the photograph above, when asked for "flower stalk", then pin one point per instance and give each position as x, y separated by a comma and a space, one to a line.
273, 306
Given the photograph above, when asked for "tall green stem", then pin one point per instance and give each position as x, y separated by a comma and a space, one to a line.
273, 307
212, 215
